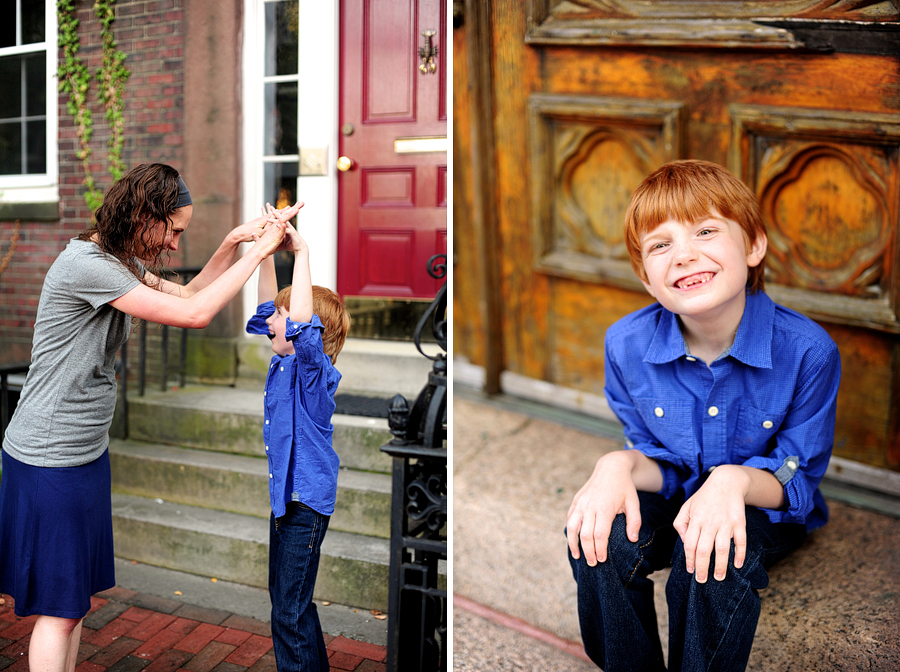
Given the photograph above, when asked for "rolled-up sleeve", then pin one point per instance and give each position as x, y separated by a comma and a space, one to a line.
805, 439
257, 323
316, 378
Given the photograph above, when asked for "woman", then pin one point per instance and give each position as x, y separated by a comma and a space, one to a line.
55, 511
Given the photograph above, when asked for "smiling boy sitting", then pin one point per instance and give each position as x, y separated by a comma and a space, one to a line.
728, 405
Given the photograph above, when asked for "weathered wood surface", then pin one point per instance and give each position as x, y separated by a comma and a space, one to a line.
816, 135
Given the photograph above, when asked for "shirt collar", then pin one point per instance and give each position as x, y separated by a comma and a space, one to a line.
752, 343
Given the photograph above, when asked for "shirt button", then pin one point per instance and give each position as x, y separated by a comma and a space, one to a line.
767, 424
264, 393
267, 422
713, 411
791, 464
659, 412
710, 470
270, 476
691, 359
282, 368
267, 449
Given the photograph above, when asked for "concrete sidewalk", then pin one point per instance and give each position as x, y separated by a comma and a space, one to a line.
833, 605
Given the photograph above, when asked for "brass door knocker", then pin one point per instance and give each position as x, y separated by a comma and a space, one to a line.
428, 53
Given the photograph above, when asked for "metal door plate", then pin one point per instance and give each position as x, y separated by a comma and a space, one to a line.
312, 161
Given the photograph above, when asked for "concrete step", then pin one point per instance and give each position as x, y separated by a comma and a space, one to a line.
367, 366
228, 597
353, 569
240, 484
230, 420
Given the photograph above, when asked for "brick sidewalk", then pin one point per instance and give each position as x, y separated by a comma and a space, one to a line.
127, 631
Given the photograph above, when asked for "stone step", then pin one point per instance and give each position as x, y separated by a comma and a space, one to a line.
230, 420
367, 366
239, 484
353, 569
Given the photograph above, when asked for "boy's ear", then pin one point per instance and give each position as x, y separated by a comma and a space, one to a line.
757, 251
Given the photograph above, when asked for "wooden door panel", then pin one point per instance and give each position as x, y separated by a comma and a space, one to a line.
377, 249
388, 187
588, 154
389, 47
827, 183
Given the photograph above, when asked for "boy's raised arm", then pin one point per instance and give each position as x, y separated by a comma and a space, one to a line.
301, 309
267, 284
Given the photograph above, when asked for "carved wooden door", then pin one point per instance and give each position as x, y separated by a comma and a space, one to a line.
392, 213
799, 99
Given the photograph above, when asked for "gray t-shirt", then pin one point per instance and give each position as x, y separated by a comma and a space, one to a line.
67, 404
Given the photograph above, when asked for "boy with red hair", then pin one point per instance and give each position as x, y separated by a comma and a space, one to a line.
728, 405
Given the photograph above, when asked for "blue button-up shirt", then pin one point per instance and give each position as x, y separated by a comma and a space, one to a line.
299, 403
769, 402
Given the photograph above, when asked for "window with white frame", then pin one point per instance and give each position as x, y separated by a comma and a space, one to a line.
28, 112
280, 93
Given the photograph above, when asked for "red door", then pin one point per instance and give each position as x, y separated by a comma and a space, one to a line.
392, 212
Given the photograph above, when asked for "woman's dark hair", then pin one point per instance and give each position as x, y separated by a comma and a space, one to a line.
143, 196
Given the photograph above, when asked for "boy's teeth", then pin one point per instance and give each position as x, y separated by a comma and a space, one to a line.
694, 280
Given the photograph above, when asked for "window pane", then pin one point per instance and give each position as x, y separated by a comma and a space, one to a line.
280, 189
10, 148
11, 85
281, 38
32, 21
8, 24
280, 183
35, 85
36, 140
281, 119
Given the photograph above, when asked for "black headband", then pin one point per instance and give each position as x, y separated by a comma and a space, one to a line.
184, 196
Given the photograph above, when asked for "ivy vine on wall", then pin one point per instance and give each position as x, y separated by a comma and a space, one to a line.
75, 80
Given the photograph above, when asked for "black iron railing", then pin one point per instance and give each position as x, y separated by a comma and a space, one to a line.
186, 274
417, 606
7, 370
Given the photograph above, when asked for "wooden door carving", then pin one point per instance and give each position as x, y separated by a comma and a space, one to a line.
827, 183
588, 154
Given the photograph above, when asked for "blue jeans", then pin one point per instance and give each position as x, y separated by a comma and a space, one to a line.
294, 542
711, 625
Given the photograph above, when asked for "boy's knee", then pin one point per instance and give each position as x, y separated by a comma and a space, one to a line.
750, 572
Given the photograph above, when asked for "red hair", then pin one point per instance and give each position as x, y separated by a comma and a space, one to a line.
689, 191
331, 311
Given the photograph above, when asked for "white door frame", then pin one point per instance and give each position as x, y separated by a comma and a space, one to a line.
317, 127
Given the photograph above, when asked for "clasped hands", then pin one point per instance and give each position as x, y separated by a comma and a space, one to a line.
272, 230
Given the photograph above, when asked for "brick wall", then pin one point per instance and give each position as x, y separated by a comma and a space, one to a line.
151, 33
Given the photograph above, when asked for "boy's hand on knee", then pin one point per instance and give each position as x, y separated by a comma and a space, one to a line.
708, 522
609, 492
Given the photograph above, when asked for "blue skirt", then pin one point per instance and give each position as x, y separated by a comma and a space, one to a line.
56, 540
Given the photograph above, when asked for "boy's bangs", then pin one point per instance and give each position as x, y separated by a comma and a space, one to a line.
682, 202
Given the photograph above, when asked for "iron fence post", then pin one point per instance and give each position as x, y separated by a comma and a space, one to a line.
417, 605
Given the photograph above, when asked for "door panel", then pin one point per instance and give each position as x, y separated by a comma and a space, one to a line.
392, 204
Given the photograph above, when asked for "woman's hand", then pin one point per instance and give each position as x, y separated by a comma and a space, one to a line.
271, 239
249, 232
